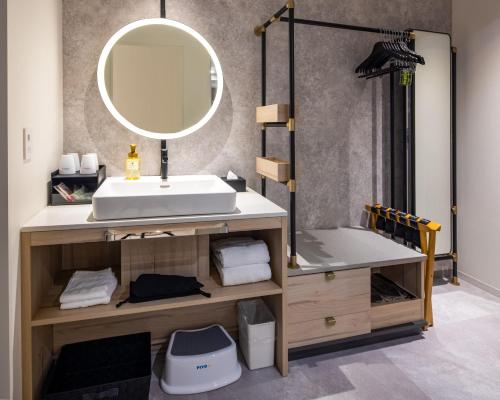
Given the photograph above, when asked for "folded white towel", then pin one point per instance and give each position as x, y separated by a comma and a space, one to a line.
89, 285
85, 303
240, 251
244, 274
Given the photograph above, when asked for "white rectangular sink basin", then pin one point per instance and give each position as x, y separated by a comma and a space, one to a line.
118, 198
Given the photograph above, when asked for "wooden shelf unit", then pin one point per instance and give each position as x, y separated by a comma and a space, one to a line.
273, 168
49, 259
272, 114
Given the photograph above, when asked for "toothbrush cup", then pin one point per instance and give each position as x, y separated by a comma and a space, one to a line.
88, 166
67, 165
77, 160
96, 160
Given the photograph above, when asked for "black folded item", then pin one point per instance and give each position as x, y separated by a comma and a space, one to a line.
415, 238
389, 226
400, 230
380, 223
149, 287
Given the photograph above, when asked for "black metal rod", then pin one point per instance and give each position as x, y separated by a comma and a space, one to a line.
344, 26
393, 148
410, 98
275, 16
454, 158
443, 257
276, 124
291, 108
263, 103
163, 9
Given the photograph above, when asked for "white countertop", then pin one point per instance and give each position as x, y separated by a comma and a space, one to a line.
248, 205
348, 248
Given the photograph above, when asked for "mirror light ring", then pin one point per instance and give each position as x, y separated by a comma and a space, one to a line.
119, 117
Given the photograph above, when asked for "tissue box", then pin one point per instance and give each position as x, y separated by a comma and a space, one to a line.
240, 184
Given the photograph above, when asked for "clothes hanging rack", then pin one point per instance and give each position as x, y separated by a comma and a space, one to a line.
272, 120
409, 34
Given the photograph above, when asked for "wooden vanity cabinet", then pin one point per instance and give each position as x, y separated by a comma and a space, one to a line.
50, 257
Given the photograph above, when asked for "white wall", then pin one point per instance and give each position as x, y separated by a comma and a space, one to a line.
4, 258
34, 101
476, 34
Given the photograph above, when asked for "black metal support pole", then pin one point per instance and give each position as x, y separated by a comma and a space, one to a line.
410, 117
454, 162
393, 148
263, 103
291, 128
163, 9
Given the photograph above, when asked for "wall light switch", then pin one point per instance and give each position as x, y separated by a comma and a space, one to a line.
27, 141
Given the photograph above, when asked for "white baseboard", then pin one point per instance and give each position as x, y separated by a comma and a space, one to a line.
480, 284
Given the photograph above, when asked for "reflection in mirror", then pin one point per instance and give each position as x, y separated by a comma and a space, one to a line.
160, 78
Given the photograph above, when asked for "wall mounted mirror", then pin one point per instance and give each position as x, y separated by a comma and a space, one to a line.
160, 78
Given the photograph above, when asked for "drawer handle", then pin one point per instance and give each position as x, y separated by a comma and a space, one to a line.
330, 276
330, 321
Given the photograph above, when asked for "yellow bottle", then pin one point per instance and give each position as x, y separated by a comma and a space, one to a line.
132, 165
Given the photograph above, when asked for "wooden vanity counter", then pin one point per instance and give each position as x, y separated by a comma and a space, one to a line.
60, 240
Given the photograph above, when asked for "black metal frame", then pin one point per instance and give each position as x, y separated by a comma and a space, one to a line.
261, 31
454, 163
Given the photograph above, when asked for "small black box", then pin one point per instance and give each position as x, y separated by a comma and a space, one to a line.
117, 368
240, 184
91, 182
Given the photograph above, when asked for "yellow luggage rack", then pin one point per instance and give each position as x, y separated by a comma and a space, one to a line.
425, 238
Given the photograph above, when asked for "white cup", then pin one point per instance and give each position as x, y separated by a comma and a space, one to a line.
88, 166
67, 165
96, 160
77, 160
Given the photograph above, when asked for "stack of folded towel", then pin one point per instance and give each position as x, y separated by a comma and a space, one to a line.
241, 260
88, 288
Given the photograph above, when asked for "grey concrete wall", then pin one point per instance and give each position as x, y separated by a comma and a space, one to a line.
4, 221
342, 148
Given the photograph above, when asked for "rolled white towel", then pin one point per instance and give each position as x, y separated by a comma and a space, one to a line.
89, 285
244, 274
85, 303
240, 251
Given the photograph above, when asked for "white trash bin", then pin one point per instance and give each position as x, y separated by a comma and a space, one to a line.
256, 333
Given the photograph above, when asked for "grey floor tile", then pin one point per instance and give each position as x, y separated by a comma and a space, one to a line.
457, 359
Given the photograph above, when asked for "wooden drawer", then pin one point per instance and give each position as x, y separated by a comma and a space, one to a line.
339, 289
386, 315
319, 330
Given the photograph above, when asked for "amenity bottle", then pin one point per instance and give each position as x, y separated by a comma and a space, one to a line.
132, 165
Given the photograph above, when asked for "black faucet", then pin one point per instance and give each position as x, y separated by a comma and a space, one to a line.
164, 160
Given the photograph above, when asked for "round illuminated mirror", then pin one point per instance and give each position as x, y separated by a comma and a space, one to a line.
160, 78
